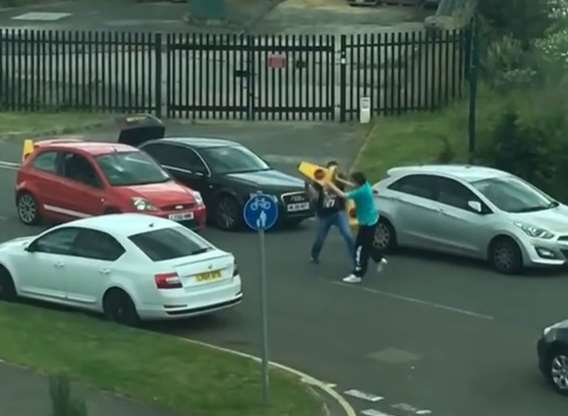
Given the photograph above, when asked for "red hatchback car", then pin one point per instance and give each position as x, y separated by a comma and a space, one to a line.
70, 179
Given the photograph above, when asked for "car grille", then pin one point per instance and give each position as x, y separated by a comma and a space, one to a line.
177, 207
294, 198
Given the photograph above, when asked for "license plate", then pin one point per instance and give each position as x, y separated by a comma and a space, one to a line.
203, 277
184, 216
301, 206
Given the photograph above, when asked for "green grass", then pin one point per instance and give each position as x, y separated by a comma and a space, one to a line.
421, 137
30, 123
164, 370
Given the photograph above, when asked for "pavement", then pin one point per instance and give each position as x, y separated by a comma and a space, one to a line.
25, 393
433, 334
289, 16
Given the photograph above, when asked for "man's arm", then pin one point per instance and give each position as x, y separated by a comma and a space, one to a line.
331, 186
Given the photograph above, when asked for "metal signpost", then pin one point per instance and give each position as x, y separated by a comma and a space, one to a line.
260, 214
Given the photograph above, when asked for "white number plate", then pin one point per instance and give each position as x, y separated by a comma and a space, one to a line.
301, 206
184, 216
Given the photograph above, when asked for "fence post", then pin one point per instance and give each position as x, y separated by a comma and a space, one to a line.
158, 86
250, 77
343, 79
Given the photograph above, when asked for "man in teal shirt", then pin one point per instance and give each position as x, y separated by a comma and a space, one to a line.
368, 217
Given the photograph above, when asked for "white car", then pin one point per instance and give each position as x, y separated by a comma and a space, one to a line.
128, 266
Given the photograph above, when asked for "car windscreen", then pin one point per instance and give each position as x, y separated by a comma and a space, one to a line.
131, 168
233, 159
169, 243
513, 195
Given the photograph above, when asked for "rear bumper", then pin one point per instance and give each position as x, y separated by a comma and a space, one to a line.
188, 304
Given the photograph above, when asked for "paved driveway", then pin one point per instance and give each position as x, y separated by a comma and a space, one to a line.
433, 335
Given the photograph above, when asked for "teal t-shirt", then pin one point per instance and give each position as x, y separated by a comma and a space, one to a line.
365, 210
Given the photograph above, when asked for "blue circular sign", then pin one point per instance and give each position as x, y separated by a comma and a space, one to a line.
261, 211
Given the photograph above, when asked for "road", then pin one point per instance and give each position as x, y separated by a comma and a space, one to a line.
432, 335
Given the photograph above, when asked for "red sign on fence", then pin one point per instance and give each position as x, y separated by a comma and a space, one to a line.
276, 61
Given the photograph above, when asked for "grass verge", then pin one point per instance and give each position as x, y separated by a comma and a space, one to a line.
184, 377
20, 124
439, 137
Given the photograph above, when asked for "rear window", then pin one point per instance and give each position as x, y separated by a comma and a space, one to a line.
169, 243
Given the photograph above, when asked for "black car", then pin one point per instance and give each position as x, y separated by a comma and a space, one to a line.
553, 355
226, 173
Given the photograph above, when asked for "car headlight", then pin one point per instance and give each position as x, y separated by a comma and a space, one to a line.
198, 198
142, 204
534, 232
547, 330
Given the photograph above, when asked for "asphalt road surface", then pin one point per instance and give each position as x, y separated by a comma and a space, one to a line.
432, 335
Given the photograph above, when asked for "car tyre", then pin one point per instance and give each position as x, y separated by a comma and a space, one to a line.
385, 236
119, 307
557, 370
7, 288
28, 209
506, 256
227, 214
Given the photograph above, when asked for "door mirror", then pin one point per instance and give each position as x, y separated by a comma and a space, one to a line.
30, 247
476, 206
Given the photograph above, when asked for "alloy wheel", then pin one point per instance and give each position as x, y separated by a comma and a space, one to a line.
383, 236
27, 209
559, 372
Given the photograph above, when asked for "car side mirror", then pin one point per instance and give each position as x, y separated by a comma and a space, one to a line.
30, 248
476, 206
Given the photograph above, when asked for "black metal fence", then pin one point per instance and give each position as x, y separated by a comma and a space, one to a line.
201, 76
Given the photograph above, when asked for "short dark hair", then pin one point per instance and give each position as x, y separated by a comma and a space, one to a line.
359, 178
332, 163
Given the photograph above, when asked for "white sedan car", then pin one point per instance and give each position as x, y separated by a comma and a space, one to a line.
129, 266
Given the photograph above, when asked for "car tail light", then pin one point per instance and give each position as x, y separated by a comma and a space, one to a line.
167, 281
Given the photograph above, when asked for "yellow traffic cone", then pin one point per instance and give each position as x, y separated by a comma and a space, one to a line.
28, 148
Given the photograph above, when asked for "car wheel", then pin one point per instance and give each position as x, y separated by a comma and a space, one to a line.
228, 213
558, 371
119, 308
385, 236
28, 209
7, 288
506, 256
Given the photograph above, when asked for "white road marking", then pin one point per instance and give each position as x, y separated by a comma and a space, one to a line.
362, 395
9, 165
373, 412
44, 16
424, 412
419, 301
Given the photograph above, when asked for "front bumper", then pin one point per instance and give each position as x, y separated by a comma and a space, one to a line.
545, 253
193, 302
542, 352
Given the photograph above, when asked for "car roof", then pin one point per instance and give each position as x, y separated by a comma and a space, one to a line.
468, 173
92, 148
197, 142
123, 225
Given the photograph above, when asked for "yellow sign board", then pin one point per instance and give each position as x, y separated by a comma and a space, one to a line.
323, 175
28, 148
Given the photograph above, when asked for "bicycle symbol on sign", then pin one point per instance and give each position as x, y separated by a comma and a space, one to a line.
260, 203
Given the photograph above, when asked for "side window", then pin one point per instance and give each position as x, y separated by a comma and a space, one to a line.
176, 157
46, 161
79, 169
158, 152
188, 159
97, 245
455, 194
423, 186
57, 242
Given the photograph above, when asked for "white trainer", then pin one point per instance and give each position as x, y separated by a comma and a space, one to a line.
381, 265
352, 279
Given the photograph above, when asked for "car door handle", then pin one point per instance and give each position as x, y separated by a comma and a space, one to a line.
105, 271
58, 265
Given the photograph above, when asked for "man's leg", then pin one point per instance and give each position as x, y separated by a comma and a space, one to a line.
342, 223
361, 256
321, 233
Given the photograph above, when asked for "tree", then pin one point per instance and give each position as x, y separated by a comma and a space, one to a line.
525, 20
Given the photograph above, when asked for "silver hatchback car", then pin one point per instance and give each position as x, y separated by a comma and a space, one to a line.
472, 211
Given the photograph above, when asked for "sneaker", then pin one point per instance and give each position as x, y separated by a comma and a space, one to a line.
381, 265
352, 279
